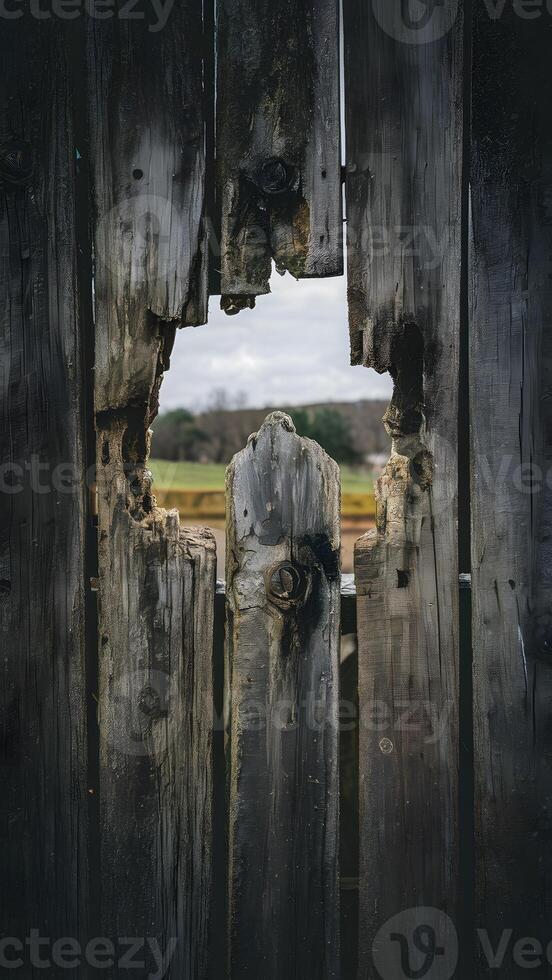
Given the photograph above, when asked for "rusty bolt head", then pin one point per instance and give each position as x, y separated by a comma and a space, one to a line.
286, 583
16, 163
275, 176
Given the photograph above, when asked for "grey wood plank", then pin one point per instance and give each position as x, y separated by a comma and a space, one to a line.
283, 596
157, 587
148, 139
403, 92
278, 144
510, 254
43, 769
156, 580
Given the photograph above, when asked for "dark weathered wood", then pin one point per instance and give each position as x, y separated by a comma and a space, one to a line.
147, 136
156, 581
278, 145
157, 587
283, 651
403, 186
43, 809
511, 302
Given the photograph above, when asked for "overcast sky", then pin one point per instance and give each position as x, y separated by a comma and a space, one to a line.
293, 348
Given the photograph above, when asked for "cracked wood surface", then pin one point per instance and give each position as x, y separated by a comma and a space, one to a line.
157, 586
283, 602
403, 189
278, 146
156, 580
511, 299
148, 139
44, 799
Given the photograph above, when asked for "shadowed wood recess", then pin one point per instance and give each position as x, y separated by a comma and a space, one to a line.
511, 303
148, 161
44, 800
283, 602
278, 144
403, 85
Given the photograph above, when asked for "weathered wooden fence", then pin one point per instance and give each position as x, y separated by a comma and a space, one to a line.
174, 787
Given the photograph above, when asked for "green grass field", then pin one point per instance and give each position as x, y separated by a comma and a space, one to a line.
210, 476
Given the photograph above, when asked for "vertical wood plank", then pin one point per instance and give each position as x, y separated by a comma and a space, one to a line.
156, 580
511, 251
403, 88
157, 584
148, 136
278, 145
43, 809
283, 596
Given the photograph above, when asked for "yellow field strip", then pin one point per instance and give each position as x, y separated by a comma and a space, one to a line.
205, 504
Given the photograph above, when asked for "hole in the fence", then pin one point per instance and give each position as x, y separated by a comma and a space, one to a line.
291, 352
137, 173
403, 579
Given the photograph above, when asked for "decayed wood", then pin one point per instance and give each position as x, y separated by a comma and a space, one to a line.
511, 252
283, 594
278, 146
156, 581
43, 809
403, 186
157, 589
147, 135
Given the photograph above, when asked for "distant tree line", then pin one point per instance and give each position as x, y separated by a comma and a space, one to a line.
348, 431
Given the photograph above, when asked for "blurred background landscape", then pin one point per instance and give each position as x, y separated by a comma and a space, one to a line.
191, 451
289, 353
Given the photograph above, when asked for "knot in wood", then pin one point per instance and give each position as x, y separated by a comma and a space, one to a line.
150, 704
16, 164
286, 583
275, 176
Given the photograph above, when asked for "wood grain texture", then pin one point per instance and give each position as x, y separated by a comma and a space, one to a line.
43, 809
511, 250
283, 655
156, 581
148, 136
403, 90
278, 147
157, 590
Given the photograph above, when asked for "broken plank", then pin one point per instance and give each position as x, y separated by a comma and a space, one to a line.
403, 95
283, 596
148, 171
278, 143
157, 592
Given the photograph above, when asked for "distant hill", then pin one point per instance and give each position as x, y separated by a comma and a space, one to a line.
215, 435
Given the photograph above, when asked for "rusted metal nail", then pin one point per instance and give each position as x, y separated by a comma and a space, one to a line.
275, 176
286, 583
16, 163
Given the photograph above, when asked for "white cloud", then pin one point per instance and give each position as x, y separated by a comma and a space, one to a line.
292, 348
